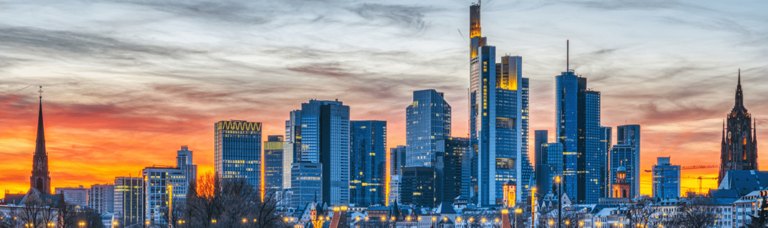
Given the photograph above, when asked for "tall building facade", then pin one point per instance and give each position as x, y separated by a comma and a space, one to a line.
273, 164
321, 138
306, 182
666, 179
498, 119
428, 120
186, 164
418, 186
368, 162
630, 135
542, 169
606, 136
578, 130
74, 195
739, 141
101, 197
165, 188
448, 168
129, 201
237, 151
397, 157
40, 179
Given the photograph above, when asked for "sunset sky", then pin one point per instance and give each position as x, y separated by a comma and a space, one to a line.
128, 82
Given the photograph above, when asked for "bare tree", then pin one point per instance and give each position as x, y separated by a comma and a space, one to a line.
641, 212
212, 202
693, 213
35, 212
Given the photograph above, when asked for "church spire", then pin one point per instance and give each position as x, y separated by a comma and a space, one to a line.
40, 179
739, 105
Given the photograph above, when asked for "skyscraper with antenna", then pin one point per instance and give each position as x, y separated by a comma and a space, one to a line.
498, 99
578, 130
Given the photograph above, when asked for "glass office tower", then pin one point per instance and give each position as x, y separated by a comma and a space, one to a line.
368, 155
237, 150
666, 179
428, 121
322, 138
630, 135
273, 164
578, 130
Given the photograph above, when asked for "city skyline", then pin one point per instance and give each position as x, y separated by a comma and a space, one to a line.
93, 123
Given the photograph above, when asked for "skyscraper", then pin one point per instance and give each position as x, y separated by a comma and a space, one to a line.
666, 179
186, 164
417, 187
129, 201
273, 164
428, 120
323, 130
498, 97
606, 136
368, 162
542, 169
554, 162
101, 197
306, 183
630, 135
40, 179
448, 168
292, 146
739, 141
237, 151
578, 130
396, 164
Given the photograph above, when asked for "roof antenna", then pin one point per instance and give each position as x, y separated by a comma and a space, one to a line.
567, 55
40, 91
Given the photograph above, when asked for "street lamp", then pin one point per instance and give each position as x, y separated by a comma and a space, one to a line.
518, 212
558, 182
533, 207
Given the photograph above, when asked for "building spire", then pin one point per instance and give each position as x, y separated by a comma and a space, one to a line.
40, 179
567, 55
739, 105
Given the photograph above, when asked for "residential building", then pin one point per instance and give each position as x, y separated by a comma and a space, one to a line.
101, 197
164, 189
129, 201
74, 195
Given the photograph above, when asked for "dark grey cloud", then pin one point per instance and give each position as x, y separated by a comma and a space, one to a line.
630, 4
407, 16
245, 12
51, 43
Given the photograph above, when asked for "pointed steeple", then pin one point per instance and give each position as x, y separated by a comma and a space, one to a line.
40, 179
739, 96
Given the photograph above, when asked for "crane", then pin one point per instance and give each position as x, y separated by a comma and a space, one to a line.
692, 167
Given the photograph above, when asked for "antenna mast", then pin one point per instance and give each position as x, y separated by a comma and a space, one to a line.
567, 55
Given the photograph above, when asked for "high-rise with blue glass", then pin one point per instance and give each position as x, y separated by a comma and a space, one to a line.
318, 135
629, 135
237, 151
368, 162
273, 164
666, 179
428, 120
578, 130
541, 167
498, 97
606, 134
